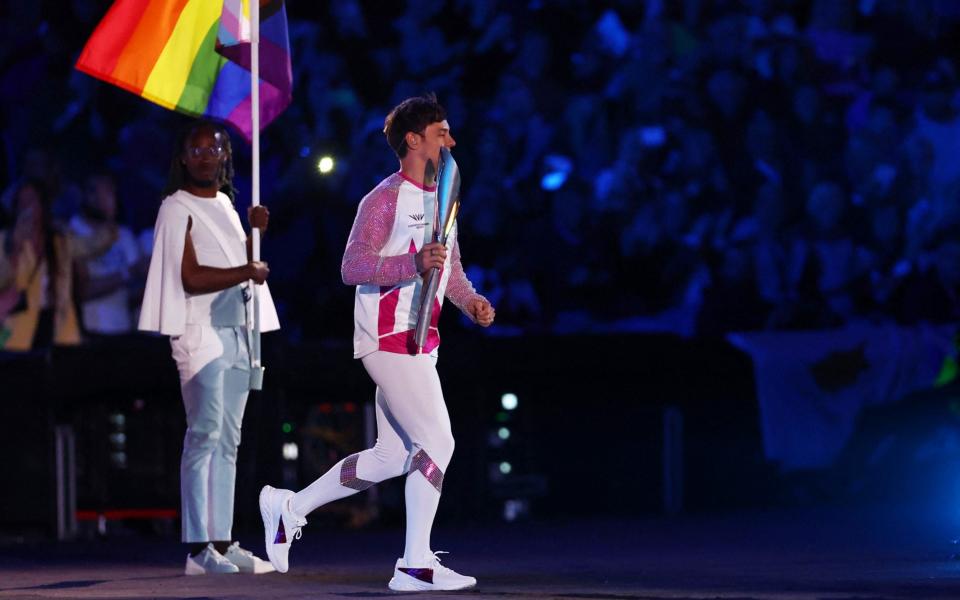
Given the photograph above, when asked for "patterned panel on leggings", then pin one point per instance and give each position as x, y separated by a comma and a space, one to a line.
423, 463
348, 474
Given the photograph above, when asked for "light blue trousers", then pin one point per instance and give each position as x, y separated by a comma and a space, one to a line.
214, 367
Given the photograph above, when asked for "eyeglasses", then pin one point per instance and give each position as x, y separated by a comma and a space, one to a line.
208, 151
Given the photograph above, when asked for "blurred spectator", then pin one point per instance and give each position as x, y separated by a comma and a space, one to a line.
765, 164
936, 130
105, 282
842, 265
36, 307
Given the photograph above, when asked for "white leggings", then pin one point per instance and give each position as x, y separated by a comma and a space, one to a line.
413, 436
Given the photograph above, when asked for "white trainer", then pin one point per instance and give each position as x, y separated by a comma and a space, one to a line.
280, 525
209, 562
247, 561
431, 577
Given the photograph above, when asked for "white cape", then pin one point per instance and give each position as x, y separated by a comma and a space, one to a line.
164, 308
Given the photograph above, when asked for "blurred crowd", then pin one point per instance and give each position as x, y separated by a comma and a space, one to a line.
696, 167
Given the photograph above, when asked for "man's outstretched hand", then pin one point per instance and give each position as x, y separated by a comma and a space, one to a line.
482, 312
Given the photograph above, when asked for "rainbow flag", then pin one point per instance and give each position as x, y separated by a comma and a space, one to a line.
193, 56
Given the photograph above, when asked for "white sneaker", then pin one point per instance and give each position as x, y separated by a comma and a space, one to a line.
246, 561
432, 576
280, 525
209, 562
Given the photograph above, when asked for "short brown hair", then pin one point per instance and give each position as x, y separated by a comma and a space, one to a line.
413, 114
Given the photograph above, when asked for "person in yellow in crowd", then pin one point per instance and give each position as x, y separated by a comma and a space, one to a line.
36, 274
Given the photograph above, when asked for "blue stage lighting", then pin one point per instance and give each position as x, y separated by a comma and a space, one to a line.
653, 136
553, 181
556, 168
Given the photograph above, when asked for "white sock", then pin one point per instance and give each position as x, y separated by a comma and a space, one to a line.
422, 501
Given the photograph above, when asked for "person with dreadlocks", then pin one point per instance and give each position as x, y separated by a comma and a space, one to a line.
197, 293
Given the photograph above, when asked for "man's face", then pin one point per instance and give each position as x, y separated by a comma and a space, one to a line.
449, 137
434, 137
203, 156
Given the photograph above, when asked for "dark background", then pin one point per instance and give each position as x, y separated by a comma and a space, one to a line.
640, 179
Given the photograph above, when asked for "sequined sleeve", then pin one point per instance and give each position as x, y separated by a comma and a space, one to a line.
362, 263
459, 289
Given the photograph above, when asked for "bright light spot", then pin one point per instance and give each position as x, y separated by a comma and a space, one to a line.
508, 401
503, 433
505, 468
556, 168
325, 165
287, 427
553, 181
290, 451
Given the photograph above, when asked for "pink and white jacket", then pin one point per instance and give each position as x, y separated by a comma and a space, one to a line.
392, 224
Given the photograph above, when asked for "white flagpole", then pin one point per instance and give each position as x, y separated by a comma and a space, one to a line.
255, 359
255, 110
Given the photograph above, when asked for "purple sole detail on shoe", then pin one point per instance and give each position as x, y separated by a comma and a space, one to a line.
281, 537
424, 575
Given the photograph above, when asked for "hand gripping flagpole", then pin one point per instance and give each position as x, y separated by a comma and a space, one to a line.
444, 216
256, 367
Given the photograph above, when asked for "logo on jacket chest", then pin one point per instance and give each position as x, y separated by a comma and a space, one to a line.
416, 220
